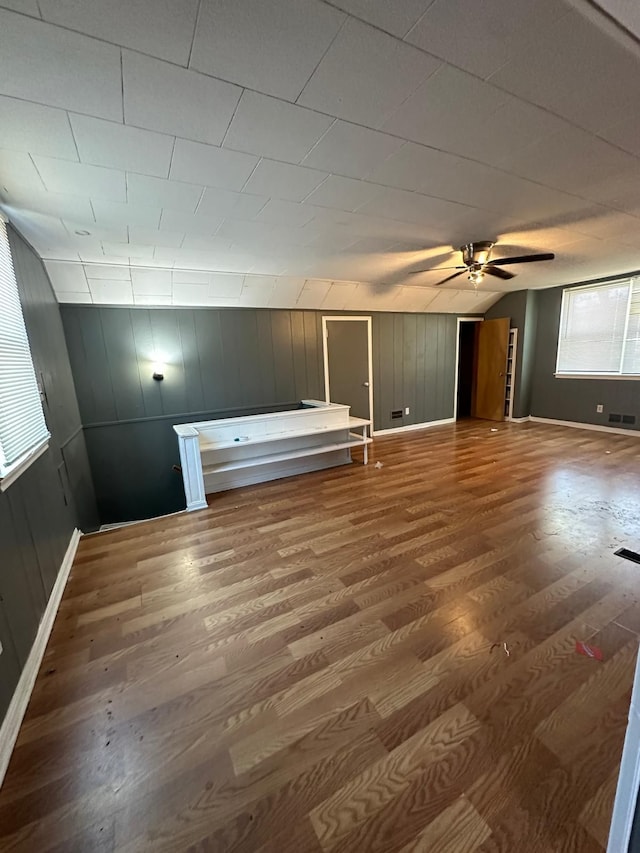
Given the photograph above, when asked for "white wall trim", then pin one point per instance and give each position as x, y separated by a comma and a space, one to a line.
632, 377
411, 427
105, 528
455, 380
624, 805
574, 424
18, 705
22, 464
513, 332
635, 433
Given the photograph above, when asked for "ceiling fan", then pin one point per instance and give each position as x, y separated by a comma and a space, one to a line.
477, 263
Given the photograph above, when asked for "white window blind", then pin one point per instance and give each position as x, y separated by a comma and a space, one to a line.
22, 424
631, 360
600, 329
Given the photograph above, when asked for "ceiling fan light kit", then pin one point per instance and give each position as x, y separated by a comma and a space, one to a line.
476, 253
477, 263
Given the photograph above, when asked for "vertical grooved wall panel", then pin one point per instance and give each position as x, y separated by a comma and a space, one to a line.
221, 362
35, 522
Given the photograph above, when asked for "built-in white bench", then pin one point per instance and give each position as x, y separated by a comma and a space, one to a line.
231, 452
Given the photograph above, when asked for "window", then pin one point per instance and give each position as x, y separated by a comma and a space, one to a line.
600, 330
23, 431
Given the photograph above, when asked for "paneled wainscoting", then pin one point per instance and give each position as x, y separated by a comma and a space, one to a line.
317, 664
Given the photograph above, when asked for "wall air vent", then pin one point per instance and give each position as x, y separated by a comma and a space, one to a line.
628, 419
615, 419
396, 413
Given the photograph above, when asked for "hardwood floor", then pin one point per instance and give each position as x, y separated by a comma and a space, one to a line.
317, 664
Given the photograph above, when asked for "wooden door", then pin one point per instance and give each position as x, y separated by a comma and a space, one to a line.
492, 344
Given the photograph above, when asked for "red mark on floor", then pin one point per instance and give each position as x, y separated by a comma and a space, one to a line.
589, 651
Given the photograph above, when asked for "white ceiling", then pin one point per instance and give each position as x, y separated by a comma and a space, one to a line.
308, 153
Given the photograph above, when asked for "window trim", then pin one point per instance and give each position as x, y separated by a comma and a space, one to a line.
21, 465
563, 374
10, 473
626, 377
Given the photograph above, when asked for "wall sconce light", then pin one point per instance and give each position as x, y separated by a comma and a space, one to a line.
158, 371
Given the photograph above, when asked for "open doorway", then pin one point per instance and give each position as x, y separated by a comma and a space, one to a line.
466, 366
483, 369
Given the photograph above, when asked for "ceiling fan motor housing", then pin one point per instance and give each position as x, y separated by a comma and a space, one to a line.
476, 253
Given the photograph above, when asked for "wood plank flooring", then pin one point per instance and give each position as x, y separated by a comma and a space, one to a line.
317, 664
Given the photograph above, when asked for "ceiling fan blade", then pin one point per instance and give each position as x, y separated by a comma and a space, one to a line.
505, 274
522, 259
435, 269
449, 277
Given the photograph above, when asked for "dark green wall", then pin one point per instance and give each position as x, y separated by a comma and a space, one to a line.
519, 308
40, 510
414, 362
573, 399
224, 363
528, 360
536, 314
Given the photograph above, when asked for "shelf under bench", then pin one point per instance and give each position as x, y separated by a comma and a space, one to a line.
253, 461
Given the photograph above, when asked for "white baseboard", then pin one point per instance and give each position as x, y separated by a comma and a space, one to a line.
410, 427
105, 528
577, 425
529, 418
18, 705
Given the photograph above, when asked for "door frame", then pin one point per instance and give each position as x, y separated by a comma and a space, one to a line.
626, 798
325, 354
455, 383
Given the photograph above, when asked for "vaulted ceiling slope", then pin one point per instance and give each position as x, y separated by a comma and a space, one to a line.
310, 153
